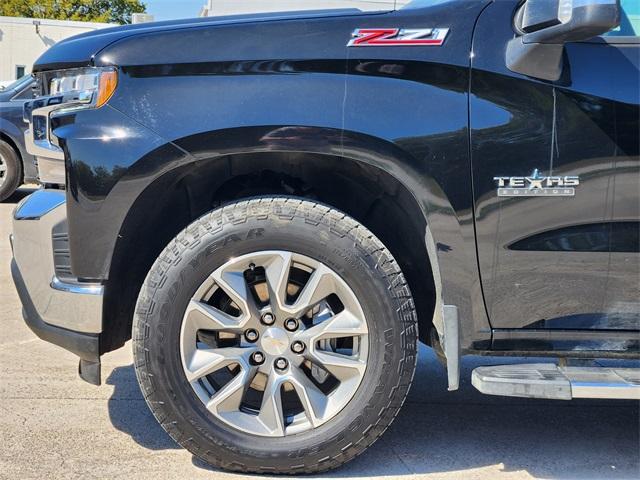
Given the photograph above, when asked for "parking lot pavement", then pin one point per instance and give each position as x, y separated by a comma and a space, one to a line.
53, 425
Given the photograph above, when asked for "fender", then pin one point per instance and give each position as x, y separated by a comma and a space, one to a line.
445, 238
183, 99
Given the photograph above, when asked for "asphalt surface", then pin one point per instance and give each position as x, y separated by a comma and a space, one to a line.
53, 425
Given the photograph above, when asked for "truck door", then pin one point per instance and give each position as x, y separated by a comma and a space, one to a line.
556, 179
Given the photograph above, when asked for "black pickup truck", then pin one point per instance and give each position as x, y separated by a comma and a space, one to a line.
277, 208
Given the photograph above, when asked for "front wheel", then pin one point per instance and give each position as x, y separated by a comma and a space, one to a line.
275, 335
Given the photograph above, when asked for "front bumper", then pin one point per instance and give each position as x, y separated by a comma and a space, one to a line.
84, 345
65, 312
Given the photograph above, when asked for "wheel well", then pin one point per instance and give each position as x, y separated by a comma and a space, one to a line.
6, 138
370, 195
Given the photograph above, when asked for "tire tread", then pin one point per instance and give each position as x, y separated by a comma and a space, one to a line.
282, 209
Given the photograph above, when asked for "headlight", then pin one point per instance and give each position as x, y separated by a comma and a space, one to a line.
86, 86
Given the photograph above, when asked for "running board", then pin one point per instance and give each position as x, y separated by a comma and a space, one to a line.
546, 380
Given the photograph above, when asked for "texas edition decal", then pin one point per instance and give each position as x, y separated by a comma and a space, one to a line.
537, 185
389, 37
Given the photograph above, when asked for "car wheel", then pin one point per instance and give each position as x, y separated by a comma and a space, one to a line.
10, 171
275, 335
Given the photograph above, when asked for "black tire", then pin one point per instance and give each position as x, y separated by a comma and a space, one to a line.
311, 229
12, 174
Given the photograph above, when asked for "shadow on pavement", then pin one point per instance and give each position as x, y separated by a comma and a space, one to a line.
439, 431
129, 412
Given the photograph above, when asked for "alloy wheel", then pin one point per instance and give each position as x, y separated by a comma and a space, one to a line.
274, 343
3, 170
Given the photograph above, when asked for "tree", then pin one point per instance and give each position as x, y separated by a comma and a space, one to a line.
112, 11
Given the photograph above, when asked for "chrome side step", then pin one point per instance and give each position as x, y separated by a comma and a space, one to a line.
546, 380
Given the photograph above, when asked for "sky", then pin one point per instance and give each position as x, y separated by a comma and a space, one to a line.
170, 9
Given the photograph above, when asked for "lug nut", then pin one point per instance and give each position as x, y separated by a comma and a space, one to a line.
251, 335
281, 363
297, 347
291, 324
268, 318
257, 358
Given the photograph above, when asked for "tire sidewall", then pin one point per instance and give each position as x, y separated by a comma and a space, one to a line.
13, 174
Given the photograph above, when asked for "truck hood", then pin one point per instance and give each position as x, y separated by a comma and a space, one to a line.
80, 50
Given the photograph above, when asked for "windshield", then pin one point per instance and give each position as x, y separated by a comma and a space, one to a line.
18, 84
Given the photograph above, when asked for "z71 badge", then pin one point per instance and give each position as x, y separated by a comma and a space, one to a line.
537, 186
389, 37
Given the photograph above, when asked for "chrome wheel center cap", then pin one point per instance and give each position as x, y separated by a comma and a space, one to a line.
274, 341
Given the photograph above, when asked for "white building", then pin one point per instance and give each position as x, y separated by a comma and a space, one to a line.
232, 7
23, 40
